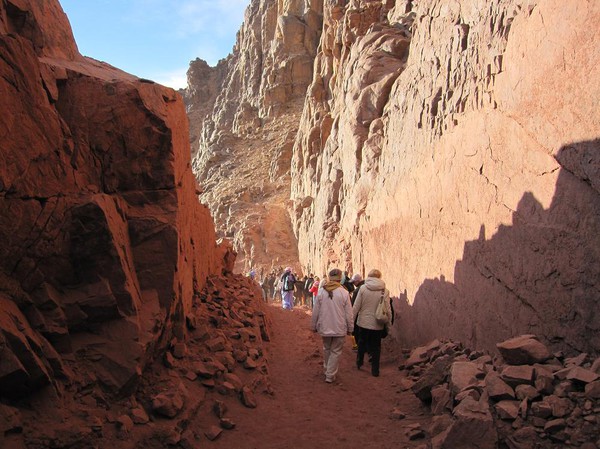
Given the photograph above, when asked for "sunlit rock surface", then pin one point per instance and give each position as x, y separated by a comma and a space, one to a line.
453, 146
244, 115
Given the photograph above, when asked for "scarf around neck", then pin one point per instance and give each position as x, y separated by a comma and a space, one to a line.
330, 286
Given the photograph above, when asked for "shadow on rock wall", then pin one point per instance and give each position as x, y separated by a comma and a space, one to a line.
541, 275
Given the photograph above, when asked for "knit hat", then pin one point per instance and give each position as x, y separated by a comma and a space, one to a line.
356, 278
335, 275
288, 269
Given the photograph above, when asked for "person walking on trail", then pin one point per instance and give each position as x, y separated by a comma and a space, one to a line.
358, 282
314, 289
332, 319
287, 289
371, 330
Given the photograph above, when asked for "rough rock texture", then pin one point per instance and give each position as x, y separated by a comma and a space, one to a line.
486, 414
453, 145
244, 115
103, 239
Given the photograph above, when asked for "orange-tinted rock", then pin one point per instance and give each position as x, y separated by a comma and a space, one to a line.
452, 146
244, 114
104, 240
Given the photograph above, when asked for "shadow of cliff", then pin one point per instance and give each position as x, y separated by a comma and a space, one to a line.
541, 275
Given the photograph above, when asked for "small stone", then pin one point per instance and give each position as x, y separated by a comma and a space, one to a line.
226, 388
498, 389
213, 433
576, 361
247, 397
167, 404
468, 393
234, 380
515, 375
560, 406
139, 416
191, 376
582, 375
541, 409
226, 423
209, 383
508, 410
219, 409
124, 423
555, 425
526, 392
592, 390
397, 414
250, 364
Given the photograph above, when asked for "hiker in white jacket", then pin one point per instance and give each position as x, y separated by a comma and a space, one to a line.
332, 318
370, 329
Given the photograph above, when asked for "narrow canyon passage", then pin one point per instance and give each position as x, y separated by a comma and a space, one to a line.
305, 412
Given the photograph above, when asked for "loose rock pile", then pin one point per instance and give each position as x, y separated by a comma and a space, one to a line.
527, 398
187, 396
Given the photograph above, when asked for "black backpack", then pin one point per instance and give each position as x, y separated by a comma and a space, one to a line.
288, 282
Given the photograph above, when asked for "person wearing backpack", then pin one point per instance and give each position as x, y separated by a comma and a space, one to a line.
372, 312
332, 319
287, 289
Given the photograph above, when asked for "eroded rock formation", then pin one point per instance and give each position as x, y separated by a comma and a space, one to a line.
104, 240
244, 116
453, 146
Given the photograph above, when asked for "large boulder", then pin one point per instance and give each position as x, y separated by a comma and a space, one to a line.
523, 350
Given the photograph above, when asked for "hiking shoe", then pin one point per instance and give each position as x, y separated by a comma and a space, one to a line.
329, 380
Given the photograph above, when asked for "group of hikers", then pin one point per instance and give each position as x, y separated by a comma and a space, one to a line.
277, 286
341, 306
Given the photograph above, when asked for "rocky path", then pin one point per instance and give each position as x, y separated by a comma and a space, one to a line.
305, 412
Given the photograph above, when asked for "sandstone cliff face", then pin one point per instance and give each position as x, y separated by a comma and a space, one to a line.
104, 241
452, 144
244, 124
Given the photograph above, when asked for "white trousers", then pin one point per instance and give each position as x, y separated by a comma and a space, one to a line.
332, 349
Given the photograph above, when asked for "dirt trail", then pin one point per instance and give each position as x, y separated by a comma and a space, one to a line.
306, 412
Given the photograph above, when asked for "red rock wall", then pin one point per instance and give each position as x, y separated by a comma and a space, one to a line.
453, 145
104, 240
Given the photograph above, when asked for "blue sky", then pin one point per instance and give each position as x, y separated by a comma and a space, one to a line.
155, 39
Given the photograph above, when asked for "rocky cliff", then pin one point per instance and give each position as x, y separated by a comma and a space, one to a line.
244, 116
452, 144
104, 240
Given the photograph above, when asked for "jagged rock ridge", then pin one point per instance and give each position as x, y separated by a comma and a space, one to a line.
105, 241
244, 115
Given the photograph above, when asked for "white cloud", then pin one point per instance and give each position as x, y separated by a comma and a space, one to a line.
176, 79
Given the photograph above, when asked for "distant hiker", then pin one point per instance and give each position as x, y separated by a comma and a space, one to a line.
332, 319
358, 282
370, 329
271, 285
265, 289
288, 281
252, 274
314, 289
277, 288
308, 281
346, 283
